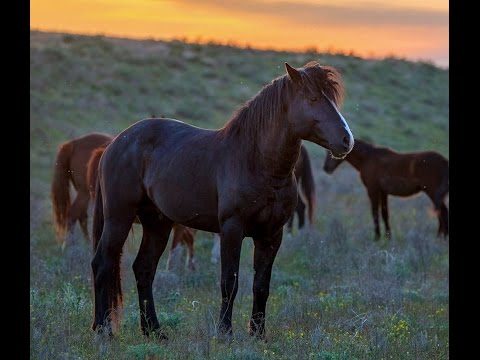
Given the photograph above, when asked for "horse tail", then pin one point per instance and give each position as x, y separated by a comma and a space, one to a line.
443, 189
307, 184
92, 170
60, 190
114, 285
445, 182
98, 219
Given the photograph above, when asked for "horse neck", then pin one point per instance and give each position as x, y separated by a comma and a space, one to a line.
273, 151
261, 129
280, 153
358, 157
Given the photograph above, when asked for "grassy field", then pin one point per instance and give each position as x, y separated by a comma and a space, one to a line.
335, 294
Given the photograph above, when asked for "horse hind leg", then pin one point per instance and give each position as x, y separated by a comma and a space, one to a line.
441, 211
156, 232
374, 202
384, 206
231, 238
442, 220
106, 272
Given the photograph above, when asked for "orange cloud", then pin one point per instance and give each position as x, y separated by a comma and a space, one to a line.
366, 28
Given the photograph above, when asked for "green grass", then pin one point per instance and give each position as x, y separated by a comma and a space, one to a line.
335, 294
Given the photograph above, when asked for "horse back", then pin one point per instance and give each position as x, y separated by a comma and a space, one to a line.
432, 168
408, 173
165, 163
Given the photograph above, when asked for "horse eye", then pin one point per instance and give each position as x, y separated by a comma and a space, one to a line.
313, 99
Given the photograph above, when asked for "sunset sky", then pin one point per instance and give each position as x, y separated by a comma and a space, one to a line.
406, 28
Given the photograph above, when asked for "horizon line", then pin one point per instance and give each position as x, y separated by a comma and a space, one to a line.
232, 43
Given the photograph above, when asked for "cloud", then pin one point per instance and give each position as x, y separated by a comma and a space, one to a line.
361, 14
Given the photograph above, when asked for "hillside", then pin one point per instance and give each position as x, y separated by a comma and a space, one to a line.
335, 293
80, 84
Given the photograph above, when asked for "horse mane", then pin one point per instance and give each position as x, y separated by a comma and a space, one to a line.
326, 79
267, 108
260, 113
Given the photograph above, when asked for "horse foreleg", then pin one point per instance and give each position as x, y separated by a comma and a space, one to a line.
374, 201
154, 241
264, 256
384, 206
230, 247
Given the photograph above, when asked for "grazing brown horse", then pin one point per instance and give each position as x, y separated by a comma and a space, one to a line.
181, 234
303, 173
386, 172
186, 236
92, 169
71, 167
237, 181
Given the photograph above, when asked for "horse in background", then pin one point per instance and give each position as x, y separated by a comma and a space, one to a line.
181, 234
237, 181
386, 172
92, 169
305, 182
71, 168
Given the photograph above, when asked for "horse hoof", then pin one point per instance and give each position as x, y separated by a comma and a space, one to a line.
225, 332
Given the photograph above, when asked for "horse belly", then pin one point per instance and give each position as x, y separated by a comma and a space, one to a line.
399, 186
195, 209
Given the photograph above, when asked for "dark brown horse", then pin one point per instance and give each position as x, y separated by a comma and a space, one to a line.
386, 172
71, 167
305, 181
237, 181
181, 234
303, 173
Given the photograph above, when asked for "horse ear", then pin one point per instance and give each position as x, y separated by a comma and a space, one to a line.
294, 74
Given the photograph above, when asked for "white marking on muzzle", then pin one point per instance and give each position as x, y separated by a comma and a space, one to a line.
344, 123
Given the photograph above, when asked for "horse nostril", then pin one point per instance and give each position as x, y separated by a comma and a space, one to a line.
346, 141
